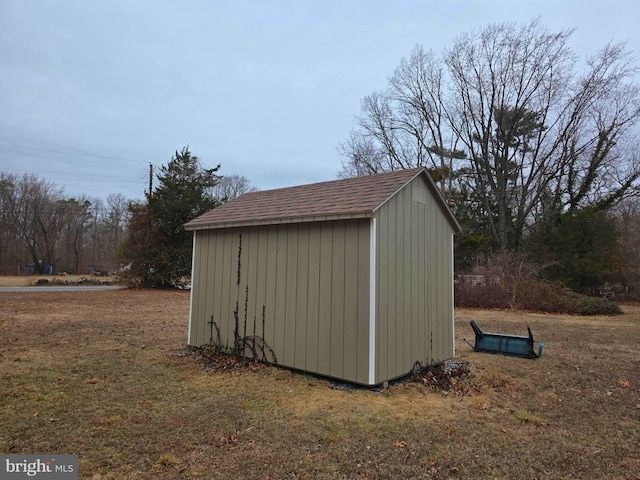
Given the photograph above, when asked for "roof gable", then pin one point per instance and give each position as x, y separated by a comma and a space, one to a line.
355, 197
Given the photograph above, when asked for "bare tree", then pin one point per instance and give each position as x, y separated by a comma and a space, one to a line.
230, 187
36, 215
406, 125
504, 117
116, 224
77, 217
11, 249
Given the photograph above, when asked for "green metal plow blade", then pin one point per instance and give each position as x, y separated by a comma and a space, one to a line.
517, 345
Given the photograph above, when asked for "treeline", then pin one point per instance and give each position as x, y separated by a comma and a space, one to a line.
44, 231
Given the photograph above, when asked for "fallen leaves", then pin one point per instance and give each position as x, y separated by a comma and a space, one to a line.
399, 444
624, 383
480, 403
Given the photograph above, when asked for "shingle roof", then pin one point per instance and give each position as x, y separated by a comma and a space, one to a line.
346, 198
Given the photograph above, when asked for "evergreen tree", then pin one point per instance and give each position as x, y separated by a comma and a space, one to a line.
581, 249
158, 247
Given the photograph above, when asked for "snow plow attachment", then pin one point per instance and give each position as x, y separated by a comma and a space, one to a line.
519, 346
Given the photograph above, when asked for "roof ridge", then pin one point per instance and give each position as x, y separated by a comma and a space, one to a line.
338, 180
344, 198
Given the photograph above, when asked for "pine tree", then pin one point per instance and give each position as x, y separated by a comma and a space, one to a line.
158, 247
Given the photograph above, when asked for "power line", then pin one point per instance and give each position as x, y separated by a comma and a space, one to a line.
72, 153
92, 175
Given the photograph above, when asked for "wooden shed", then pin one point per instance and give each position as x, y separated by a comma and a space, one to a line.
351, 279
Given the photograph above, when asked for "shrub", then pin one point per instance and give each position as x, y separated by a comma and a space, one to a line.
535, 295
532, 294
596, 306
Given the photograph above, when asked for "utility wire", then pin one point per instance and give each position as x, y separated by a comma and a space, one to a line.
72, 153
93, 175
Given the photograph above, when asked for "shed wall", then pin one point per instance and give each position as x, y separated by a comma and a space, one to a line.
414, 282
303, 289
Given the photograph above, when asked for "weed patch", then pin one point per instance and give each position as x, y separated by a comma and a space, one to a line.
527, 417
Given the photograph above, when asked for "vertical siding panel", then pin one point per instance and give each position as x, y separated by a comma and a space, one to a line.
270, 285
194, 316
417, 350
399, 347
398, 315
363, 301
313, 300
260, 280
441, 280
435, 287
423, 273
351, 290
242, 292
383, 288
337, 296
324, 317
216, 245
392, 296
302, 295
432, 280
197, 315
249, 292
445, 236
228, 295
205, 285
209, 263
440, 293
281, 287
410, 353
291, 292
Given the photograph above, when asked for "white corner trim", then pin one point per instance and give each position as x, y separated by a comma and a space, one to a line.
372, 302
453, 295
193, 264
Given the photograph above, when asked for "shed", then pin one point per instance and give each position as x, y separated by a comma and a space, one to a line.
352, 278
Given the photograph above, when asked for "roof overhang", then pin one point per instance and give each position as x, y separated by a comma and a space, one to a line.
278, 221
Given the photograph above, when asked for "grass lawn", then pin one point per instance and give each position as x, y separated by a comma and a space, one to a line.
105, 375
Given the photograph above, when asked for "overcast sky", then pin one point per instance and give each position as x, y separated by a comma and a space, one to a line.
91, 92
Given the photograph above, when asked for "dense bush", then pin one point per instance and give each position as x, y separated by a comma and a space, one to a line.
533, 295
595, 306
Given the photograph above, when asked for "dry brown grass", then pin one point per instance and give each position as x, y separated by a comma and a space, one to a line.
28, 280
105, 375
18, 281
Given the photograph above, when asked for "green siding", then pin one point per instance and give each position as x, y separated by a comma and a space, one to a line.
313, 300
337, 301
302, 297
414, 283
312, 281
324, 309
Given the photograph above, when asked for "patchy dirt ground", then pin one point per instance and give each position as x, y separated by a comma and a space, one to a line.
106, 375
